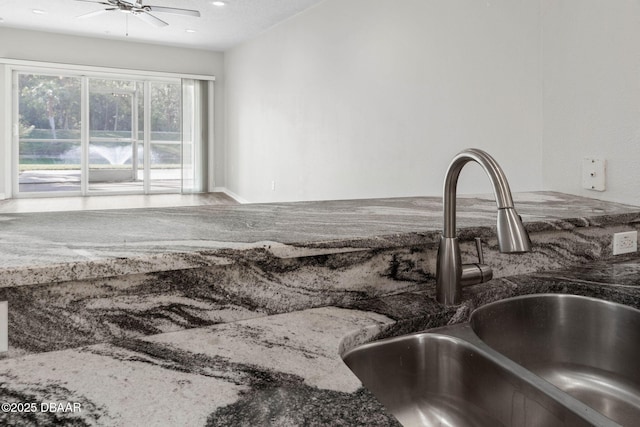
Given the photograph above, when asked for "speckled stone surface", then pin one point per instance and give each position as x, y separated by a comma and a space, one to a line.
203, 288
184, 290
237, 316
257, 284
38, 248
280, 370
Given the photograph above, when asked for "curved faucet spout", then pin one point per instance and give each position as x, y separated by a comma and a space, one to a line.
496, 176
512, 236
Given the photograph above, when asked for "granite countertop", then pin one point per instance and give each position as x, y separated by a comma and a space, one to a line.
280, 370
177, 329
61, 246
45, 238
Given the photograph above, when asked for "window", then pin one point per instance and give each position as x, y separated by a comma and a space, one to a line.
49, 123
84, 134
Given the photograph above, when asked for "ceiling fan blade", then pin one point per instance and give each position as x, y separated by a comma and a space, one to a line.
96, 13
173, 10
150, 19
98, 2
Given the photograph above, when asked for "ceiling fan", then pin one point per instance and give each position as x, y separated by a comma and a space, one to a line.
137, 9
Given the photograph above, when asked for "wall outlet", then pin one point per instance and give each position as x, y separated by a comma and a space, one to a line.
625, 242
4, 326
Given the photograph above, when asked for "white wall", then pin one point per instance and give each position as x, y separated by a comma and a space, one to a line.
591, 71
372, 98
5, 151
49, 47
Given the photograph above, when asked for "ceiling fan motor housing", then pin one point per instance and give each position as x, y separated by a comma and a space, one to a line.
134, 3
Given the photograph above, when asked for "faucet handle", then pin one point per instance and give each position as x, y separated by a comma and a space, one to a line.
479, 250
479, 272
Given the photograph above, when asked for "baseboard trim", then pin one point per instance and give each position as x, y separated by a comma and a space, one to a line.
231, 194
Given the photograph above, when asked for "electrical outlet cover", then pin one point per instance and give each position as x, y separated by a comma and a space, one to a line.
625, 242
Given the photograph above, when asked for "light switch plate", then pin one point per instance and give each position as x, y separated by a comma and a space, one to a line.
593, 174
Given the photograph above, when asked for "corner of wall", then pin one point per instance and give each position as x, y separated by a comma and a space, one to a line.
5, 132
231, 194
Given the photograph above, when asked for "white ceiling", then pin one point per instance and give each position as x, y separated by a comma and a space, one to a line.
218, 28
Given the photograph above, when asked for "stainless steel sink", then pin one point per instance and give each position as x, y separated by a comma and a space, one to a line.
586, 347
430, 379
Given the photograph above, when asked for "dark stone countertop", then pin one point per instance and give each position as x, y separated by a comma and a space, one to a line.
277, 370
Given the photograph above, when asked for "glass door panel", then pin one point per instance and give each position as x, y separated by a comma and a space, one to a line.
84, 135
49, 133
165, 157
112, 151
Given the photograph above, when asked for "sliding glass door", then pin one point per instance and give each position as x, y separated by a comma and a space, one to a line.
83, 135
113, 140
49, 133
164, 138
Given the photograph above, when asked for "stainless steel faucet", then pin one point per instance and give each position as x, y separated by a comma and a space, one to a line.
451, 274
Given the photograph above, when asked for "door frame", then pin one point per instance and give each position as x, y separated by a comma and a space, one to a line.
85, 137
9, 103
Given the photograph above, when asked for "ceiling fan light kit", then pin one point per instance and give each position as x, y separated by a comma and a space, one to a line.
139, 10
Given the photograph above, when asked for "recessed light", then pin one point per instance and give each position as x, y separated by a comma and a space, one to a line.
218, 3
38, 11
189, 31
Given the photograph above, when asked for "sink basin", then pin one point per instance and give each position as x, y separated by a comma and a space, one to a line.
431, 379
586, 347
